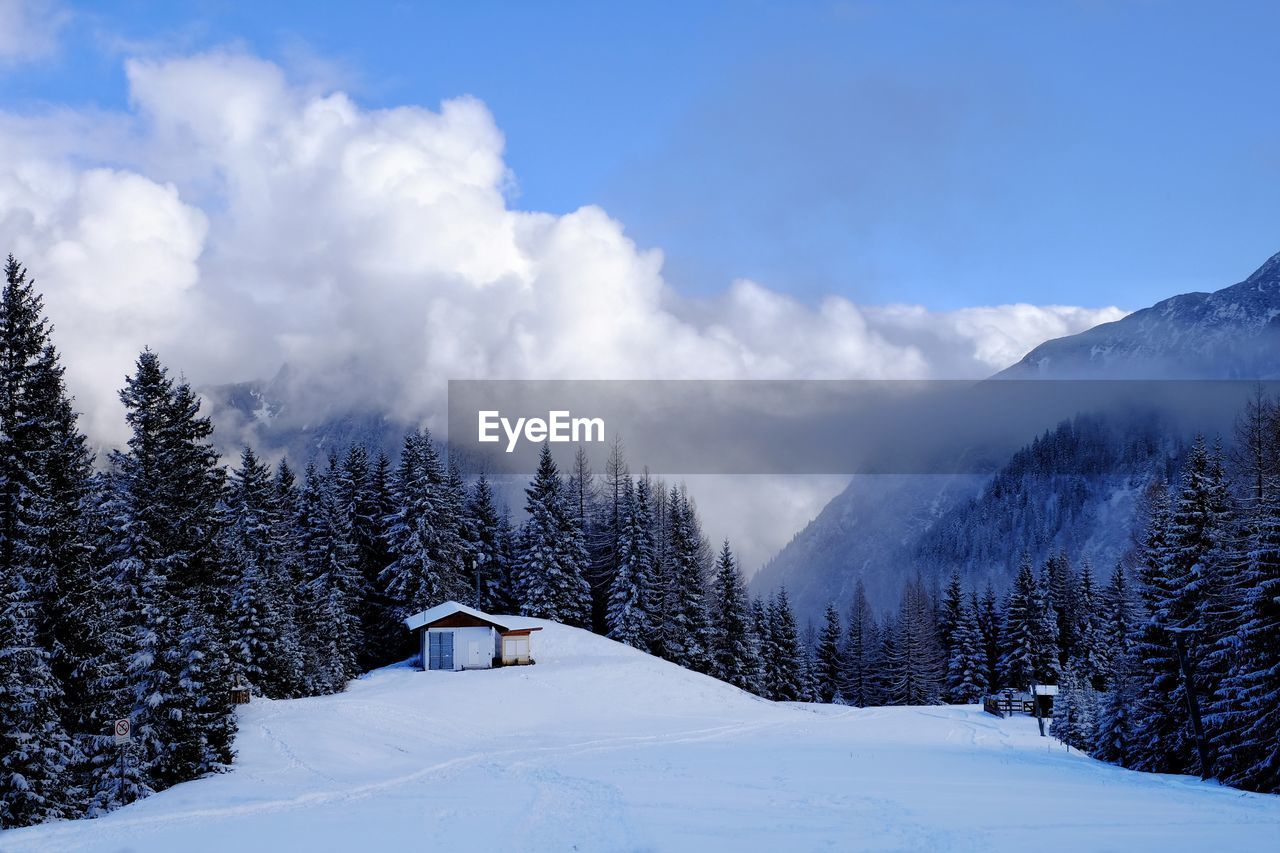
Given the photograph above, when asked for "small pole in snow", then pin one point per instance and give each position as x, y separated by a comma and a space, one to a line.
1193, 704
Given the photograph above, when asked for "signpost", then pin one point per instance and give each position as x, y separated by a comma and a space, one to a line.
123, 733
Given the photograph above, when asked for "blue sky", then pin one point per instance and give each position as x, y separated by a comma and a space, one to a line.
1087, 153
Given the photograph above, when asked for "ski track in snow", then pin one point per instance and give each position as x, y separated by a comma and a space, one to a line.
602, 748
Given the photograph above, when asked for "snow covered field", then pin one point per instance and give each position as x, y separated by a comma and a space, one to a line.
601, 748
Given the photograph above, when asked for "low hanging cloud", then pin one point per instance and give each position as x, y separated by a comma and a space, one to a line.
237, 221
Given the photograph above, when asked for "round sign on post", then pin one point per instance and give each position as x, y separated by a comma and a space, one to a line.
122, 731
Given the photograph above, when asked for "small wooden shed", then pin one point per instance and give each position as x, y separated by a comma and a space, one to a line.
453, 637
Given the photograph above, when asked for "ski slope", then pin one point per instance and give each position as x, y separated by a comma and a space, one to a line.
602, 748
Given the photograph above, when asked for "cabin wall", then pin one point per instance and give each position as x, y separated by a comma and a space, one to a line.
473, 647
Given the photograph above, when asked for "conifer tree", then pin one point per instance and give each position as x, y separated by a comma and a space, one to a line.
424, 533
913, 663
43, 475
550, 568
949, 613
784, 664
991, 626
735, 648
859, 651
1243, 710
1091, 660
829, 659
687, 631
1030, 655
628, 619
487, 549
967, 665
265, 648
330, 570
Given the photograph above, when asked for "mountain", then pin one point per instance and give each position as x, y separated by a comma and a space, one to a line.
600, 747
1233, 333
881, 530
283, 417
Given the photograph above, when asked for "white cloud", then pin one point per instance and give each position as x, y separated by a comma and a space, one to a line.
29, 29
263, 222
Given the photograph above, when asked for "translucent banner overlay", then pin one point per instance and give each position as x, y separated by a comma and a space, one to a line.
820, 426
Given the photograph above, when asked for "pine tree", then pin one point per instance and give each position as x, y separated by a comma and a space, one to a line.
735, 650
949, 613
424, 534
331, 581
486, 542
913, 663
1180, 575
687, 630
1117, 625
830, 663
859, 651
1030, 655
37, 753
265, 647
43, 474
1245, 710
1091, 660
967, 665
165, 524
784, 664
1073, 712
550, 567
628, 618
1062, 595
1114, 739
991, 625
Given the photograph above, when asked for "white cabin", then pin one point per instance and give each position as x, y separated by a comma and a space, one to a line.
453, 636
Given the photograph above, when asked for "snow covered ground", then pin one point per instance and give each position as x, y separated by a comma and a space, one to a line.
601, 748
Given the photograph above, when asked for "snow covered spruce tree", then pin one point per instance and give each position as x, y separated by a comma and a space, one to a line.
488, 535
1181, 558
1074, 712
631, 590
425, 532
44, 471
860, 643
735, 648
1030, 655
331, 581
948, 616
362, 489
1091, 658
829, 658
1243, 712
164, 519
784, 666
967, 664
265, 645
686, 629
1117, 624
551, 563
991, 625
913, 665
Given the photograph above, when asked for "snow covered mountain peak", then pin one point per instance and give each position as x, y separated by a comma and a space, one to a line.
1233, 333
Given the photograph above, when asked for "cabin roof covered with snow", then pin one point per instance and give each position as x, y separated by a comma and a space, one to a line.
504, 624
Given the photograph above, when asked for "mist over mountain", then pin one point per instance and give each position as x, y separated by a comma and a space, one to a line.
884, 529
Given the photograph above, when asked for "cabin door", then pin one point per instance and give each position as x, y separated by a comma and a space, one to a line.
440, 650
